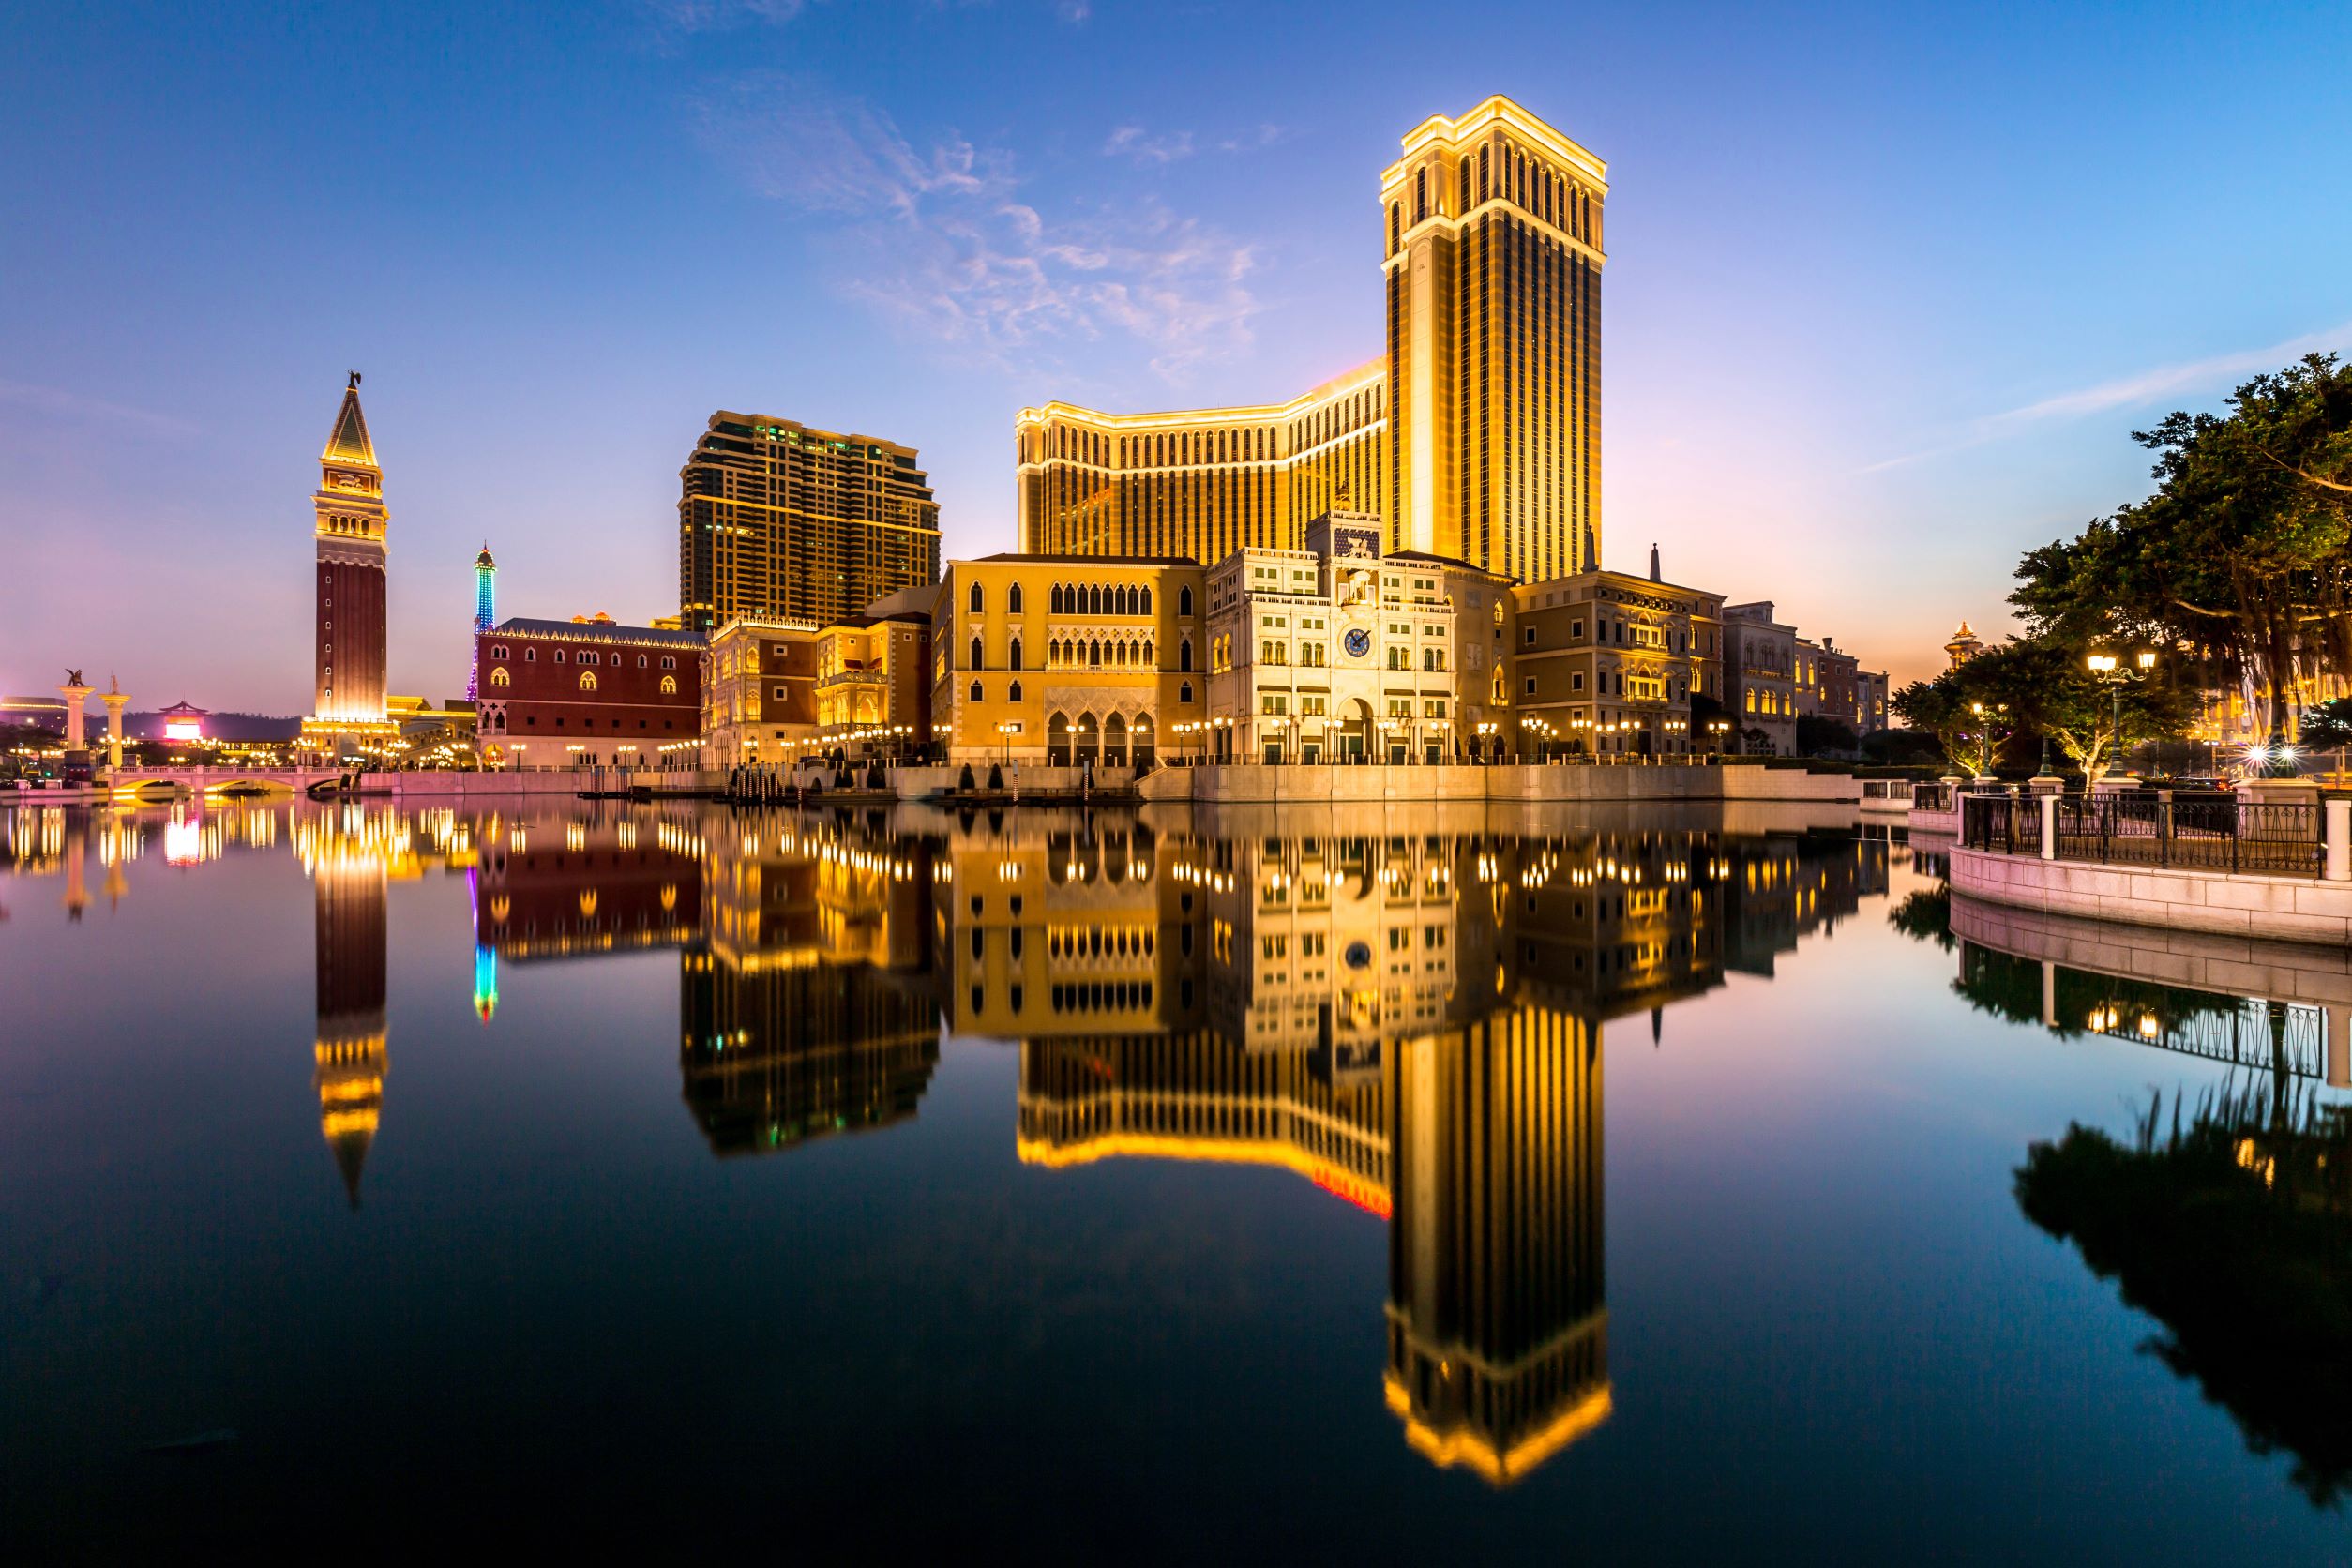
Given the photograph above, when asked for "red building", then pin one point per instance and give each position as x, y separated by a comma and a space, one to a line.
586, 691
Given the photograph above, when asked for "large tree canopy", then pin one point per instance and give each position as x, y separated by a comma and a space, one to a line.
2240, 565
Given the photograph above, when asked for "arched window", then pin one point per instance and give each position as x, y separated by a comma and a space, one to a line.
499, 652
976, 691
976, 661
1146, 651
1392, 227
1013, 660
1184, 692
498, 677
1013, 602
669, 686
640, 661
587, 680
1094, 599
1014, 694
1184, 654
976, 600
1095, 654
531, 656
1183, 600
1053, 599
1146, 607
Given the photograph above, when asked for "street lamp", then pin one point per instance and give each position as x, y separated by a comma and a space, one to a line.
2115, 672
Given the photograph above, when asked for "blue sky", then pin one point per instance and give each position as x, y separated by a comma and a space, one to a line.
1888, 287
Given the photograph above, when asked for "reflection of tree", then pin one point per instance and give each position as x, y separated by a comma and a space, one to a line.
2234, 1233
1925, 916
2000, 984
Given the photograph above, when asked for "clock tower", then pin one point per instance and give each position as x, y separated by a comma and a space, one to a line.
349, 519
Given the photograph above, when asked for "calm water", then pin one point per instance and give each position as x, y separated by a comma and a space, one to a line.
1261, 1184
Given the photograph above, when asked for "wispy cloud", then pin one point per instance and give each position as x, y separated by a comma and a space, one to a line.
1256, 137
62, 404
940, 237
2189, 375
1074, 11
703, 16
1133, 144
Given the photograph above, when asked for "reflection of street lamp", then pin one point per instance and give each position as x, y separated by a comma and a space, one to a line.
2115, 672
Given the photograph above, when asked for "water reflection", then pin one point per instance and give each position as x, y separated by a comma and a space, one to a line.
1412, 1021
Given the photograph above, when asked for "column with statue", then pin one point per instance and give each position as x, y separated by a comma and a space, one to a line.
76, 769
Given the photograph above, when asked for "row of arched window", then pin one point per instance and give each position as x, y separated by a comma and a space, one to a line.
531, 656
1103, 996
1081, 598
1096, 943
1093, 654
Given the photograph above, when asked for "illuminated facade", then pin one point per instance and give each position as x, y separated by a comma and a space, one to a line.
1474, 436
1201, 483
1067, 659
1760, 679
349, 526
782, 522
1337, 653
585, 691
1605, 663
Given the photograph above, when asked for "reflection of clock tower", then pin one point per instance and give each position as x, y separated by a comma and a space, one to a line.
350, 531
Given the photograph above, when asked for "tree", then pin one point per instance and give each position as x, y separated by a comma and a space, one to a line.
1940, 707
2047, 685
2239, 566
2329, 724
1824, 737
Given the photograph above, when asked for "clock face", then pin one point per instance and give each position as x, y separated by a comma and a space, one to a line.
1358, 643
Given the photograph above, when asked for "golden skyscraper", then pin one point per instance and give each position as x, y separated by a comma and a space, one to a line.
1493, 273
1476, 435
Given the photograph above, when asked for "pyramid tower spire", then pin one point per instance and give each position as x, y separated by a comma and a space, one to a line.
350, 443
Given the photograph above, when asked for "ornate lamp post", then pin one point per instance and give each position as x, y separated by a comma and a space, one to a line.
2116, 674
1985, 718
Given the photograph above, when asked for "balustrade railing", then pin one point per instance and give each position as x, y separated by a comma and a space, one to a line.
2195, 831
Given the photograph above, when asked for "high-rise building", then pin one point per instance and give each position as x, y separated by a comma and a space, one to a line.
350, 519
779, 522
485, 615
1204, 482
1493, 272
1475, 435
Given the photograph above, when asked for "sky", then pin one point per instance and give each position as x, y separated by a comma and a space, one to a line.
1889, 288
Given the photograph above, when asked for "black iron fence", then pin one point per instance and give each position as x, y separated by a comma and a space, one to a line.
2201, 831
1931, 797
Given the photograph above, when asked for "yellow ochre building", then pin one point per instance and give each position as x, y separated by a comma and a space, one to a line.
1475, 435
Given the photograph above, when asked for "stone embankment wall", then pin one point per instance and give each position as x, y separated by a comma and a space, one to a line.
2278, 909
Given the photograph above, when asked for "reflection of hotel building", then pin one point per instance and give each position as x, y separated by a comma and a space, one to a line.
805, 1007
1782, 889
1412, 1022
1474, 436
572, 888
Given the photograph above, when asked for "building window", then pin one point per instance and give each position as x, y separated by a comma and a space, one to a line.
1014, 658
498, 677
669, 686
1013, 600
1184, 692
1012, 694
531, 656
499, 652
976, 662
559, 656
975, 601
1183, 655
587, 680
976, 691
1183, 600
1526, 635
640, 661
1529, 687
668, 662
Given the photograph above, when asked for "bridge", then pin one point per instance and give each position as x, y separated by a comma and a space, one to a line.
162, 781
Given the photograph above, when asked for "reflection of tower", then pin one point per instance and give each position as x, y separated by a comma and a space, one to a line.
350, 530
485, 615
1497, 1334
349, 892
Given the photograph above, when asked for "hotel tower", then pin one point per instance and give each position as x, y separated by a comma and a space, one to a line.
1474, 435
350, 528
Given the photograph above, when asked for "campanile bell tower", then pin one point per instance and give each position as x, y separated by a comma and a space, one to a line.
350, 528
